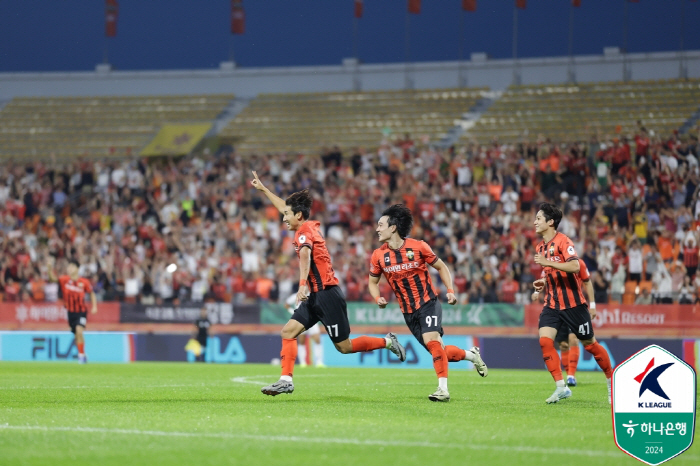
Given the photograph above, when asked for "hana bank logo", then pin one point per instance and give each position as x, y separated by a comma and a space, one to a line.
649, 381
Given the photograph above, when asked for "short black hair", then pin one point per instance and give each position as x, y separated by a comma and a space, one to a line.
74, 262
300, 202
401, 216
551, 212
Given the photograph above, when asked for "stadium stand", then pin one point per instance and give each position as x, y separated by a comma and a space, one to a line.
575, 111
96, 126
631, 204
306, 121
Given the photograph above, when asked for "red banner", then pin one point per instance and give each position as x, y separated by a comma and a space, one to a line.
644, 320
30, 312
359, 6
522, 4
469, 5
111, 14
414, 6
237, 17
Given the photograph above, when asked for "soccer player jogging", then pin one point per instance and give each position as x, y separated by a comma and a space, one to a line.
74, 288
404, 261
319, 294
568, 343
564, 303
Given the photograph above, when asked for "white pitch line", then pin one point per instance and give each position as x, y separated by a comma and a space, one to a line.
71, 387
326, 440
248, 379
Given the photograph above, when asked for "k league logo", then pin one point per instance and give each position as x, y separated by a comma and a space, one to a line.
654, 404
650, 382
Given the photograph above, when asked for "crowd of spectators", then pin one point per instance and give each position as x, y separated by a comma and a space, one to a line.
193, 228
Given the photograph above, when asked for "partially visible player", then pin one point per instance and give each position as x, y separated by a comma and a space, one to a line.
404, 262
566, 339
201, 332
319, 294
564, 302
314, 334
74, 288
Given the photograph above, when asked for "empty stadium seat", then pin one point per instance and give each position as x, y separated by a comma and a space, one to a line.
96, 126
307, 121
576, 111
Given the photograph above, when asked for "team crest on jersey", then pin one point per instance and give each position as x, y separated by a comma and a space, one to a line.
409, 254
387, 260
551, 250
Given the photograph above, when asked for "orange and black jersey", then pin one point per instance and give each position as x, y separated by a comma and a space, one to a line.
321, 272
563, 290
74, 293
406, 270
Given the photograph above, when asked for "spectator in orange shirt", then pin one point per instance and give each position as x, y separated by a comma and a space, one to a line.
665, 247
263, 287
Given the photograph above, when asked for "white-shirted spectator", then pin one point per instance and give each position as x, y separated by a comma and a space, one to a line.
464, 173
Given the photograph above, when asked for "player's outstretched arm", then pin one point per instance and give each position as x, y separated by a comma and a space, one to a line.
276, 201
446, 278
373, 285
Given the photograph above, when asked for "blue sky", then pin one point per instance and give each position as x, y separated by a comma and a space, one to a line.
66, 35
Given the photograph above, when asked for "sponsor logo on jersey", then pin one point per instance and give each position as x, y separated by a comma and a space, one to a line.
399, 267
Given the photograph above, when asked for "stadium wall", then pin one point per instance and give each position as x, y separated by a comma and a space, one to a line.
248, 82
122, 347
614, 320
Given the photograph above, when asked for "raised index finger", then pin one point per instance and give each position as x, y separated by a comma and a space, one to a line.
255, 174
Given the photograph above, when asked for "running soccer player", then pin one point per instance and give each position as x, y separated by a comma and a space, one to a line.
319, 294
404, 262
566, 339
74, 288
564, 303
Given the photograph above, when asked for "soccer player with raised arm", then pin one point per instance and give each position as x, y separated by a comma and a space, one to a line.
568, 343
564, 303
404, 262
74, 287
319, 294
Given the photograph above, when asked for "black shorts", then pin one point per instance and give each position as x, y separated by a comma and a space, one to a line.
428, 318
578, 319
563, 333
77, 318
329, 307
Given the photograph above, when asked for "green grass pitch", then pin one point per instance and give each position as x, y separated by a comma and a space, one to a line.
187, 414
